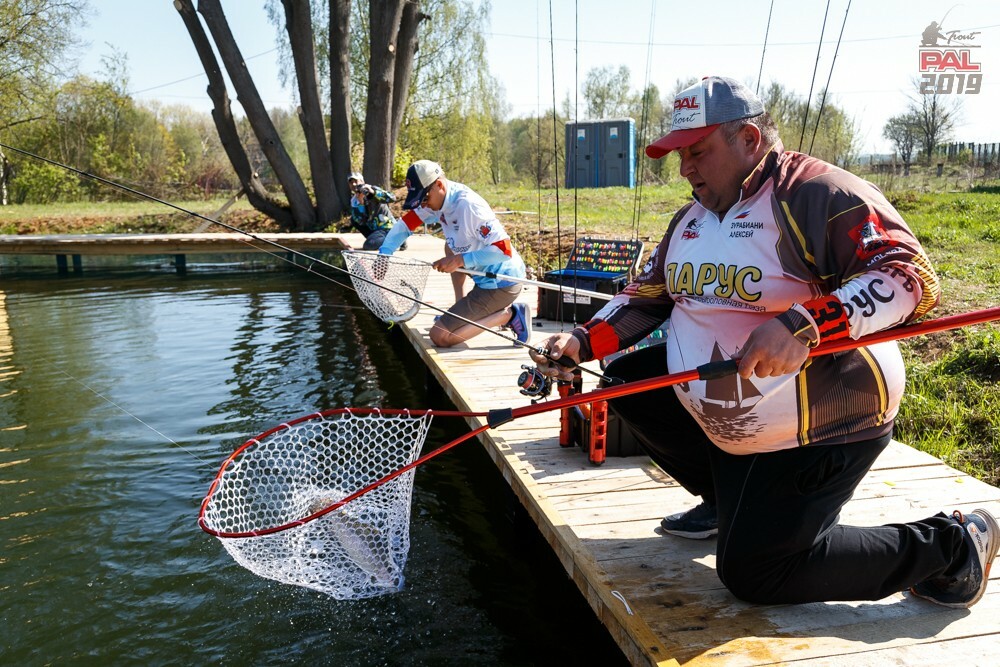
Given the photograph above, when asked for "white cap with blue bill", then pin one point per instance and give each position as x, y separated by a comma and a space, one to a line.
419, 178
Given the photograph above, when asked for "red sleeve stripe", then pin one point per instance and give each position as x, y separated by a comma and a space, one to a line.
412, 220
603, 339
830, 317
504, 245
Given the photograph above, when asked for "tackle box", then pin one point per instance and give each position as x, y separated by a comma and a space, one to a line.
595, 265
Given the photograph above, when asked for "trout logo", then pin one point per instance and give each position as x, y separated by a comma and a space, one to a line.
945, 61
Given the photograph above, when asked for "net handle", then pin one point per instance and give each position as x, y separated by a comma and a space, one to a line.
503, 276
502, 416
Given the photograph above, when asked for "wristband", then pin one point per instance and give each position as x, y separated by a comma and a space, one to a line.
800, 327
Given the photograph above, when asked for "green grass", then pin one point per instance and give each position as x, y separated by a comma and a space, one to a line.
950, 406
112, 209
598, 211
109, 217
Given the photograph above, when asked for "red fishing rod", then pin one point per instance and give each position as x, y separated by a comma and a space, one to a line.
498, 417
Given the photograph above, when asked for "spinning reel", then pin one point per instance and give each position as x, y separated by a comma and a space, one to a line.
533, 383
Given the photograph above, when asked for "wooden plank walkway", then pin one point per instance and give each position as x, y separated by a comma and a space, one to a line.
658, 595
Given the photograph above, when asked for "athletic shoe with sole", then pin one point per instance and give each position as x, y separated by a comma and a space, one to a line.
698, 523
520, 321
982, 536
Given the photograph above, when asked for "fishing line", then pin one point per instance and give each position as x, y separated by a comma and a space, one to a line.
133, 416
312, 260
819, 48
826, 90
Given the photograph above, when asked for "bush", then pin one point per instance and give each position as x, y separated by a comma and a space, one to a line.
41, 183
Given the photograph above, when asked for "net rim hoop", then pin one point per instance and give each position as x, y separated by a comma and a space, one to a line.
256, 440
396, 259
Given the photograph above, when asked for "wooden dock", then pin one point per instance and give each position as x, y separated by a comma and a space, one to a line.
70, 248
658, 595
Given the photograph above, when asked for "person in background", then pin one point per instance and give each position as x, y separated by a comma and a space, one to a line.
777, 253
370, 212
475, 240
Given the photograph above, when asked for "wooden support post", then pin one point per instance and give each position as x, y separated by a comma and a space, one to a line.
61, 265
565, 418
77, 264
218, 214
598, 432
180, 263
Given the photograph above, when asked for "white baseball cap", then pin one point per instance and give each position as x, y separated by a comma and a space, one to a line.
419, 178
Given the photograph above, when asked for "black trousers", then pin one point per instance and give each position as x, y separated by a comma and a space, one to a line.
780, 540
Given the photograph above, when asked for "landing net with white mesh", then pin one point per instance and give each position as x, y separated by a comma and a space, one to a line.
270, 502
389, 285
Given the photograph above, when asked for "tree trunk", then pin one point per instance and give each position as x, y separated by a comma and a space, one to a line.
298, 22
256, 193
4, 178
407, 46
267, 136
383, 29
340, 96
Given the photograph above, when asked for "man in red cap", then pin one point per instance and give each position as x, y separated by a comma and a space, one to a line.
778, 252
475, 240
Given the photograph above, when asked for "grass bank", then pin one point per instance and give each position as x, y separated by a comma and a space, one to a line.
952, 403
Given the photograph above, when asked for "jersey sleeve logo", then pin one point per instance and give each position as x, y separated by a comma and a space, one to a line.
870, 237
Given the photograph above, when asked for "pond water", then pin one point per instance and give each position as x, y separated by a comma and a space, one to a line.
121, 394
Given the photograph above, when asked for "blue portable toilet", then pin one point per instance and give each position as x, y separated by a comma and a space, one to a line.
600, 153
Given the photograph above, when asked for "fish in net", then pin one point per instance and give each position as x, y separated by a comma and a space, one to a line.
389, 285
278, 502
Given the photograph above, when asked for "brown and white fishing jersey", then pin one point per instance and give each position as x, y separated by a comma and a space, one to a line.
809, 243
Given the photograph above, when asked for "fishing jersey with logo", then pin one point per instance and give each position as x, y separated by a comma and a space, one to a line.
805, 238
470, 228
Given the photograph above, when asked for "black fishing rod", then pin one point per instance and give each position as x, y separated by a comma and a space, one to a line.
285, 249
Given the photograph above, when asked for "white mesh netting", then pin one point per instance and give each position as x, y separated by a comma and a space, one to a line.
404, 277
356, 551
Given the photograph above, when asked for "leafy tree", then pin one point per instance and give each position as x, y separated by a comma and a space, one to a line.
36, 39
903, 131
936, 116
455, 104
652, 124
392, 34
829, 135
205, 169
538, 148
608, 92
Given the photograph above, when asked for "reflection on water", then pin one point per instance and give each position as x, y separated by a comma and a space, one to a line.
119, 399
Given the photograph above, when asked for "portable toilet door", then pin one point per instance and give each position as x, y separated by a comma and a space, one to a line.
581, 155
617, 153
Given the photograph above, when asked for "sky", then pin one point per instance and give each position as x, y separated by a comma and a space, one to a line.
531, 42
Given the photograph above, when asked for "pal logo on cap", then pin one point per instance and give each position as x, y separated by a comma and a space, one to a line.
689, 109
